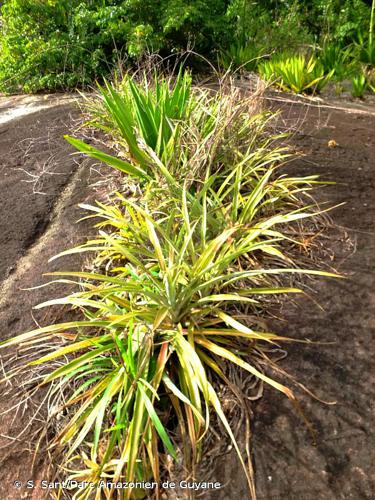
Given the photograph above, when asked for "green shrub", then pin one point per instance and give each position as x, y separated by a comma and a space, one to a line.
151, 111
362, 81
272, 26
61, 44
50, 44
365, 51
57, 44
337, 21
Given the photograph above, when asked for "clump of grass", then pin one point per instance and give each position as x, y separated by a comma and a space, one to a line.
340, 60
242, 57
181, 272
359, 85
296, 73
143, 119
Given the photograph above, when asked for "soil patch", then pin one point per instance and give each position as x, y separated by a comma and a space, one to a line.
339, 145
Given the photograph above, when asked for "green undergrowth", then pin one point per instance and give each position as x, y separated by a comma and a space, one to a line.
296, 73
182, 276
288, 56
67, 44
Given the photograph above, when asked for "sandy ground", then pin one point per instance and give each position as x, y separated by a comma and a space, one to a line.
40, 187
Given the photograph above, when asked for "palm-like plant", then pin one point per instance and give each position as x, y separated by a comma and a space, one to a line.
177, 273
339, 59
359, 85
296, 73
239, 56
145, 121
160, 320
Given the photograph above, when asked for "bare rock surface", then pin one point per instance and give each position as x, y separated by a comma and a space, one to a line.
41, 185
288, 465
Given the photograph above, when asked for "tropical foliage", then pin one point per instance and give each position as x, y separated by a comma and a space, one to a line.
296, 73
50, 44
181, 276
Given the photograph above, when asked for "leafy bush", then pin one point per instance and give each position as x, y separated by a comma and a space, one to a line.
181, 276
296, 73
50, 44
337, 21
261, 30
271, 26
61, 44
